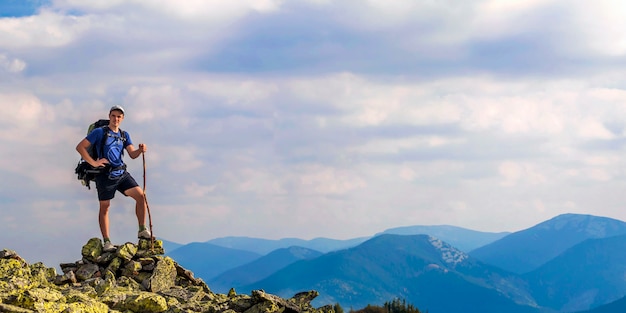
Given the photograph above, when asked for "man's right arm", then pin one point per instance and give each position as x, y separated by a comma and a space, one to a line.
82, 150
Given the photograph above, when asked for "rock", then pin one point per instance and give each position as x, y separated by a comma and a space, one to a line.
42, 274
147, 264
305, 297
134, 278
79, 302
92, 249
105, 284
144, 302
13, 309
262, 297
163, 277
106, 257
115, 265
131, 269
9, 254
145, 247
87, 271
66, 278
38, 298
127, 251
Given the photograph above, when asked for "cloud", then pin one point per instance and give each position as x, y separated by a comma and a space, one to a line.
190, 10
45, 30
195, 190
513, 172
597, 28
328, 181
29, 111
11, 65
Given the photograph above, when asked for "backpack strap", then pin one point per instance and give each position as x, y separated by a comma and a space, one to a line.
123, 136
106, 134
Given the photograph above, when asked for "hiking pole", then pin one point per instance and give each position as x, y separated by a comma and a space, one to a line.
143, 156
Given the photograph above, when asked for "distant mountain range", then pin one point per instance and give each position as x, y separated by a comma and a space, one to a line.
415, 268
528, 249
207, 260
618, 306
265, 246
589, 274
260, 268
461, 238
571, 263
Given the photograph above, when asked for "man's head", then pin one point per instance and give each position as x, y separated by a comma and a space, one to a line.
116, 116
116, 108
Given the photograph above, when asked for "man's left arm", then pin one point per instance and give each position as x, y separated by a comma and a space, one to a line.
134, 153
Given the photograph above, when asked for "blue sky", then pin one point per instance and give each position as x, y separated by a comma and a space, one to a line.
20, 8
312, 118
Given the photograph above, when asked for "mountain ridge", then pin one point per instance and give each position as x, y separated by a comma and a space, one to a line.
583, 276
406, 262
205, 259
462, 238
261, 267
434, 275
263, 246
525, 250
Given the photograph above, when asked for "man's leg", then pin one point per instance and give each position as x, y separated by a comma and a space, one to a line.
103, 218
140, 204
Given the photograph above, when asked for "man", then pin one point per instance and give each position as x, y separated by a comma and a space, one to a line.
114, 176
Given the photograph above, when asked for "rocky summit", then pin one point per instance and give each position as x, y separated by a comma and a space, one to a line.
133, 278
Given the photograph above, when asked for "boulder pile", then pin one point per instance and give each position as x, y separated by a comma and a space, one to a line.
133, 278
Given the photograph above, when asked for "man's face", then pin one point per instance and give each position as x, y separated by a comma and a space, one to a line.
116, 118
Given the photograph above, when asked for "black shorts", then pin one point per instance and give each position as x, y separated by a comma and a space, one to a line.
107, 186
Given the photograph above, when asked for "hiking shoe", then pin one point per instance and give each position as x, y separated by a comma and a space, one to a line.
109, 247
144, 234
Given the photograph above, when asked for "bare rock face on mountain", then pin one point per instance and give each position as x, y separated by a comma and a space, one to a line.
133, 278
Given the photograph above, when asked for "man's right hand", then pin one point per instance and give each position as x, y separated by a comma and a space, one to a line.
100, 163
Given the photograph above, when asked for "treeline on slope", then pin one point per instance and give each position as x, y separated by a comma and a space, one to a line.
395, 306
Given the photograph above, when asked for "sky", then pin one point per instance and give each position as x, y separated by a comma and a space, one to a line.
312, 118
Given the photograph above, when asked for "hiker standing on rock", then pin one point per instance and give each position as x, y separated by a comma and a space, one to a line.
114, 177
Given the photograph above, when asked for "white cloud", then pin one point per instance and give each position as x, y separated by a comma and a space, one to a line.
328, 181
597, 29
401, 145
12, 65
370, 103
47, 29
27, 114
196, 190
261, 182
202, 9
206, 10
85, 5
238, 92
179, 158
593, 129
160, 102
598, 174
495, 19
514, 173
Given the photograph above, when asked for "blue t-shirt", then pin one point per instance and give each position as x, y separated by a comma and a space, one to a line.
112, 148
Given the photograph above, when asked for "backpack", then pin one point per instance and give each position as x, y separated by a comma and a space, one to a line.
84, 171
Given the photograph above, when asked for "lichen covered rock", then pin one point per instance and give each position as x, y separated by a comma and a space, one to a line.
163, 276
144, 302
92, 249
134, 278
